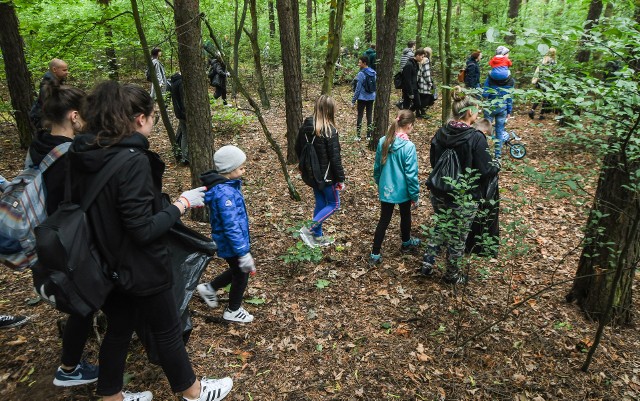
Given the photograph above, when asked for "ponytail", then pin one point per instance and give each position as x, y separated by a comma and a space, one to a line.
60, 100
404, 119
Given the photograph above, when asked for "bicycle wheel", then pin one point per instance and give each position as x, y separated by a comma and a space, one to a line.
517, 151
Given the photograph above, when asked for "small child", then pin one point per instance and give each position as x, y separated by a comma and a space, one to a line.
500, 64
396, 174
230, 230
483, 125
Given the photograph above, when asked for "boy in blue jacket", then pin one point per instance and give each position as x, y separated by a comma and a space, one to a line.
363, 97
230, 231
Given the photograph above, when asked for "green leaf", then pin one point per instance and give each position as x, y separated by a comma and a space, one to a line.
321, 283
255, 301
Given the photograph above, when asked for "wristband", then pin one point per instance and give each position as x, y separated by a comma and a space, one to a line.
179, 200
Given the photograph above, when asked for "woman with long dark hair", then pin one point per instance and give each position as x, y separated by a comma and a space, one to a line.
130, 220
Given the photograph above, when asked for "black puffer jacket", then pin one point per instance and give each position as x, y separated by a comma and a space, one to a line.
410, 77
472, 73
128, 217
54, 176
473, 152
328, 150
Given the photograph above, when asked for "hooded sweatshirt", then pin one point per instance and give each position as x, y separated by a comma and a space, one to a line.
397, 178
360, 93
407, 53
473, 152
228, 214
54, 176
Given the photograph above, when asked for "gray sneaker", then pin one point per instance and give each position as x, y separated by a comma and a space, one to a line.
323, 240
307, 237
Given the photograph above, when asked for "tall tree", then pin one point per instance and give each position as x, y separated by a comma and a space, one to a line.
18, 75
196, 96
595, 9
237, 34
309, 19
368, 22
386, 34
444, 38
420, 5
272, 19
334, 36
289, 20
255, 49
512, 16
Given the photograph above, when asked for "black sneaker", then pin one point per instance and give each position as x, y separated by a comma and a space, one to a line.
8, 321
427, 269
459, 278
531, 113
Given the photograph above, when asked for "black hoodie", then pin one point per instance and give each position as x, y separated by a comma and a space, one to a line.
129, 217
54, 176
472, 149
327, 149
211, 178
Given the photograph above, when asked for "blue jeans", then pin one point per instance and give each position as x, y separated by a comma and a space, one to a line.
500, 135
327, 202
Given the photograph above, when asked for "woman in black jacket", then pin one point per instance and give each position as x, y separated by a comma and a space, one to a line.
130, 221
472, 70
327, 146
218, 77
455, 210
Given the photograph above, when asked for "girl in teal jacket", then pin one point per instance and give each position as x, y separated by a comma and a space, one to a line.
396, 174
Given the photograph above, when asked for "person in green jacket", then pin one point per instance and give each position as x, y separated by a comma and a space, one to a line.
396, 174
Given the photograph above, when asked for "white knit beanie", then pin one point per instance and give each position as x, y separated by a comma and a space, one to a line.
502, 51
228, 158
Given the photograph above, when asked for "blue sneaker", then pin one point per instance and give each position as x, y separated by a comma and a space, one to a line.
84, 373
413, 244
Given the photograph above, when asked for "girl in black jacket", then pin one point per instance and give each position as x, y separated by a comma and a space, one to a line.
129, 221
455, 211
327, 147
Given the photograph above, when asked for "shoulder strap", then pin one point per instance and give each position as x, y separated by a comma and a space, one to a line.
54, 155
106, 172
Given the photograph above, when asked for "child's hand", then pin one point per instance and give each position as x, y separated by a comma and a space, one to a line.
414, 205
340, 186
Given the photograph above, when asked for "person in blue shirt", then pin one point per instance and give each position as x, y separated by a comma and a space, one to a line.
499, 94
363, 97
396, 173
230, 231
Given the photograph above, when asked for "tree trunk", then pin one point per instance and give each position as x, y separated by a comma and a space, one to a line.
386, 35
110, 51
289, 19
512, 15
196, 95
147, 56
612, 241
236, 40
595, 9
336, 21
368, 22
272, 19
485, 22
255, 49
18, 75
309, 19
444, 40
420, 4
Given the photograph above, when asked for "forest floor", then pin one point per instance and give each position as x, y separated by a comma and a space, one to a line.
339, 330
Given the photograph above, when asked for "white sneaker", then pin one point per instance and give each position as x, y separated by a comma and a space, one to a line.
238, 316
208, 294
143, 396
307, 237
214, 390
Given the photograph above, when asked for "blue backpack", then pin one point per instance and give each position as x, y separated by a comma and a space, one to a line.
369, 84
23, 205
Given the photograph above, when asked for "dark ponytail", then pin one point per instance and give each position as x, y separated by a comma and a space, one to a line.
60, 100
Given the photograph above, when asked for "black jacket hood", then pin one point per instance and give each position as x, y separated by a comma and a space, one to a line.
211, 178
43, 143
450, 136
86, 153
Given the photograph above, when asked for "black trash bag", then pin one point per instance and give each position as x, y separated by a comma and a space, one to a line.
190, 255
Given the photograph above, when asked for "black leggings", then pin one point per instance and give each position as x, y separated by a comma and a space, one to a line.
74, 338
386, 211
161, 315
238, 280
362, 105
221, 91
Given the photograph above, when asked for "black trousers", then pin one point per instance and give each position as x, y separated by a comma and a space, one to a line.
161, 314
74, 338
411, 104
362, 106
221, 91
386, 211
238, 280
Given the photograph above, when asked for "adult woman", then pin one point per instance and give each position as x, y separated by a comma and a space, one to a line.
426, 87
61, 116
321, 131
218, 77
455, 211
130, 222
472, 70
539, 80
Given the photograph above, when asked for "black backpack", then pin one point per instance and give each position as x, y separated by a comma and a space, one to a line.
71, 273
397, 80
447, 166
369, 84
309, 165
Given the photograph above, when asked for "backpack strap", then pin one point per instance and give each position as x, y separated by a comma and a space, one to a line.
106, 172
54, 155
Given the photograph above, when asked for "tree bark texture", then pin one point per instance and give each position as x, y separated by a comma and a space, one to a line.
255, 49
309, 19
420, 5
18, 75
334, 36
512, 15
196, 96
612, 242
595, 9
272, 19
289, 20
386, 35
368, 22
237, 34
110, 52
